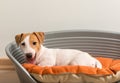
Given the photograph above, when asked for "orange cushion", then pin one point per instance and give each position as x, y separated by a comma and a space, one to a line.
110, 66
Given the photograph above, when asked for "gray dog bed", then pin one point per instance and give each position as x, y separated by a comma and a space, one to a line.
99, 44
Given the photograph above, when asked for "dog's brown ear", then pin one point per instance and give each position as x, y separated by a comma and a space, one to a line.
18, 38
40, 36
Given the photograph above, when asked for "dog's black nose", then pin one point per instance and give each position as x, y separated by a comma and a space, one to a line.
29, 55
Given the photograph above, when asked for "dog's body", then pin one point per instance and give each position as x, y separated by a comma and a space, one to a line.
36, 53
51, 57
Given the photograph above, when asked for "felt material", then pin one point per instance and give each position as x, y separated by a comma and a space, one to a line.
110, 66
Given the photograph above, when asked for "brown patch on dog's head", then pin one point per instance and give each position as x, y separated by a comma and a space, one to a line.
20, 37
40, 36
37, 36
36, 39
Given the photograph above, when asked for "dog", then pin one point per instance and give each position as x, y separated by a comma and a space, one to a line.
35, 53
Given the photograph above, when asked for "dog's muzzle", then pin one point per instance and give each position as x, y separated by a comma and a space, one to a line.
29, 55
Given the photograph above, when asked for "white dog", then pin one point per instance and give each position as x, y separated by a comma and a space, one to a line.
36, 53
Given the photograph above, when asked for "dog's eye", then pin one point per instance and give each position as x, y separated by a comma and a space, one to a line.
23, 44
34, 43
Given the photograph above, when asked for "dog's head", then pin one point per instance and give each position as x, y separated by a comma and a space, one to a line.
30, 43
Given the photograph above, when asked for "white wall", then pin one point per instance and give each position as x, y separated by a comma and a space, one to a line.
18, 16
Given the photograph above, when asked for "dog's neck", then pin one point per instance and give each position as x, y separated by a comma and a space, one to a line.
40, 53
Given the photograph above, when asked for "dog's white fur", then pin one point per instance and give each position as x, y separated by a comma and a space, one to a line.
54, 57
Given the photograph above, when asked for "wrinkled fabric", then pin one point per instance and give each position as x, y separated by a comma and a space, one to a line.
81, 74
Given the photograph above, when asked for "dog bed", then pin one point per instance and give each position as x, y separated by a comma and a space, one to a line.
99, 44
77, 74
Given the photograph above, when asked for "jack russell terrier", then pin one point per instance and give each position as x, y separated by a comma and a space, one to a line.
36, 53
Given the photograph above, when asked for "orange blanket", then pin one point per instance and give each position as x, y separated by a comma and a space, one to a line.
110, 66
